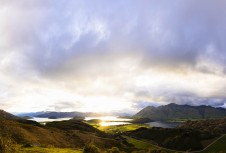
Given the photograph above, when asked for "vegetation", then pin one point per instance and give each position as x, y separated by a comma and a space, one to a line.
120, 128
90, 148
217, 147
65, 134
73, 125
47, 150
24, 136
176, 139
6, 145
209, 128
140, 144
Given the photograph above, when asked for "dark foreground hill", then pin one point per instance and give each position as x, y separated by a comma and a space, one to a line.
210, 127
191, 135
176, 139
174, 111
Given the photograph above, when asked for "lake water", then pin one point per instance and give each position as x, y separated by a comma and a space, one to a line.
105, 120
112, 120
164, 124
41, 120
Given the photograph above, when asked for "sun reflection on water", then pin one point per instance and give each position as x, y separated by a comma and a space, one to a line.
110, 120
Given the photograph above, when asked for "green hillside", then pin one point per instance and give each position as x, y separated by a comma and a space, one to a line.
218, 147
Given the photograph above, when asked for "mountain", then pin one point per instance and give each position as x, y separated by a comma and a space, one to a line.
65, 114
53, 114
6, 115
31, 114
60, 114
174, 111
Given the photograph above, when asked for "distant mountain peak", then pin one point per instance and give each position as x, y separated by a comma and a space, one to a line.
171, 104
175, 111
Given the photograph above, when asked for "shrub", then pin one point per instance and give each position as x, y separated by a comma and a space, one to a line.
91, 149
6, 145
140, 151
156, 151
114, 150
27, 145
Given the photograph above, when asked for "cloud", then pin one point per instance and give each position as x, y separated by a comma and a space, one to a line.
147, 51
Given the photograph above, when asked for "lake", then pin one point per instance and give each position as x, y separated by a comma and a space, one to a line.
42, 120
105, 120
164, 124
112, 120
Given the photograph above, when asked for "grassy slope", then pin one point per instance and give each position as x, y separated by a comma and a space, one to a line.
44, 136
218, 146
48, 150
29, 134
140, 144
67, 134
118, 128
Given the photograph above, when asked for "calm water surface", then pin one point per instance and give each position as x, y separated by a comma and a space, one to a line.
40, 120
164, 124
105, 120
112, 120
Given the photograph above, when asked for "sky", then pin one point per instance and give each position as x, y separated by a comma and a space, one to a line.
111, 56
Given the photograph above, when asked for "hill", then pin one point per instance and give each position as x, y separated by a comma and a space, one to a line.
174, 111
71, 134
176, 139
210, 127
191, 135
6, 115
218, 146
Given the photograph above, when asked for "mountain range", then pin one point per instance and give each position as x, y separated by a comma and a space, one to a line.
173, 111
55, 114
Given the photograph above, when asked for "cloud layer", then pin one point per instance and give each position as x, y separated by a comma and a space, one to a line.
111, 55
